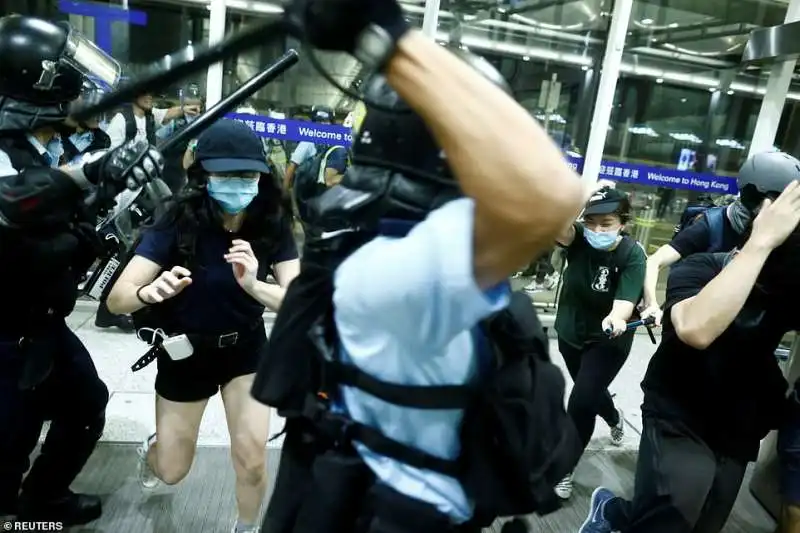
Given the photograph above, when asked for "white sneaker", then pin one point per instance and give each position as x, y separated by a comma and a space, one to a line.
618, 431
147, 478
238, 528
564, 488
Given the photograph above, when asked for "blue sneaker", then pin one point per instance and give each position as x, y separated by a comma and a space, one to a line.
596, 521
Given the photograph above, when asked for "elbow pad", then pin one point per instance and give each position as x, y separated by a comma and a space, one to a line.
38, 197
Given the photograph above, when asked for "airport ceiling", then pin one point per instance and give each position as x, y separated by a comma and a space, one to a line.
710, 28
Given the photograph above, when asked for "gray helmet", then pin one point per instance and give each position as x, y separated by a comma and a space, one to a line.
765, 175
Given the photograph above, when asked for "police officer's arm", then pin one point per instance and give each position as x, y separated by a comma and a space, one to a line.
701, 319
522, 203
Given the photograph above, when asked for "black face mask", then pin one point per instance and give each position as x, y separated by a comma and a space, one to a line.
779, 279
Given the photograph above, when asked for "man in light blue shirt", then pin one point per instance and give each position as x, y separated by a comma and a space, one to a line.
410, 321
435, 230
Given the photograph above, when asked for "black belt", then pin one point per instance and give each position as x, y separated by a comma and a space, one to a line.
225, 340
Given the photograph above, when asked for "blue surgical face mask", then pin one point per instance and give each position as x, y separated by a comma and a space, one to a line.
600, 240
232, 194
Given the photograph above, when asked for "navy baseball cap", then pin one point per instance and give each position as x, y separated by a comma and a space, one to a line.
230, 146
606, 201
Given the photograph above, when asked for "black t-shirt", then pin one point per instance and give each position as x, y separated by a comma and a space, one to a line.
696, 238
732, 393
214, 303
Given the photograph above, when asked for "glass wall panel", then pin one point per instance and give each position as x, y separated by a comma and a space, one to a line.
684, 110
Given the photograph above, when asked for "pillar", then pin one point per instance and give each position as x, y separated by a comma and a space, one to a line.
780, 77
216, 32
609, 75
430, 20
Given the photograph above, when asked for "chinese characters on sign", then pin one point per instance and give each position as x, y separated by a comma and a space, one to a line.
295, 130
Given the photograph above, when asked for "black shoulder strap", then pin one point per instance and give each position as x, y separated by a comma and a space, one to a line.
21, 153
130, 123
100, 140
70, 150
150, 128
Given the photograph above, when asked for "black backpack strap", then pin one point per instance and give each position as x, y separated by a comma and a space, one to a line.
343, 430
150, 128
335, 373
417, 397
130, 122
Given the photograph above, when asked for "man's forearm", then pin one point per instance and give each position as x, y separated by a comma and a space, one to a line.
268, 295
651, 282
464, 110
703, 318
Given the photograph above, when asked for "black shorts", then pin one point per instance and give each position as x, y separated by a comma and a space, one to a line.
201, 375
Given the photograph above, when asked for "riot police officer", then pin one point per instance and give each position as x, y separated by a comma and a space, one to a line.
46, 243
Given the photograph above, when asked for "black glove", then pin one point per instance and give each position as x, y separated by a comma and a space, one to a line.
130, 165
366, 29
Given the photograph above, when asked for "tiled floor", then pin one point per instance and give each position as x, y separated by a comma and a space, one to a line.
209, 487
204, 501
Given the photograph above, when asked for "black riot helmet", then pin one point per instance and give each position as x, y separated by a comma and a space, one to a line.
765, 175
42, 69
398, 172
321, 113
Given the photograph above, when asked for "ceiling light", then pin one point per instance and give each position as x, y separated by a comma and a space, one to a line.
647, 22
584, 68
674, 25
686, 137
526, 58
730, 92
683, 100
659, 80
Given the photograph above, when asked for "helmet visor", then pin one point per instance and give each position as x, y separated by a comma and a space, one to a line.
85, 57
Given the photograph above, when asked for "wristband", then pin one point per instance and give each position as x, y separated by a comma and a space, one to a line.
139, 295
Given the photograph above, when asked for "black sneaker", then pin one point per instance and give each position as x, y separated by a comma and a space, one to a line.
123, 322
71, 510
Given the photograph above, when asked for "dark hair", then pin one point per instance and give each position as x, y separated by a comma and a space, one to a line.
192, 211
623, 211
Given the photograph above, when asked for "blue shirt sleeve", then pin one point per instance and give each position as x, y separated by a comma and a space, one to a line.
420, 288
157, 245
338, 160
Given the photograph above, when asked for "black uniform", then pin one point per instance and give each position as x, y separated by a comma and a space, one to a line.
47, 240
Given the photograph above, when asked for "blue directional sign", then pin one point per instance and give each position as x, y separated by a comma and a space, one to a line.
104, 16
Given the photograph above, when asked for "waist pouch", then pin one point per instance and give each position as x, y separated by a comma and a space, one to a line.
202, 342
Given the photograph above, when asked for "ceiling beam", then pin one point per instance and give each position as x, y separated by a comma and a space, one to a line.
686, 34
732, 11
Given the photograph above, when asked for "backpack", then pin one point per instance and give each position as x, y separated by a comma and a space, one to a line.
715, 217
309, 181
517, 440
130, 125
